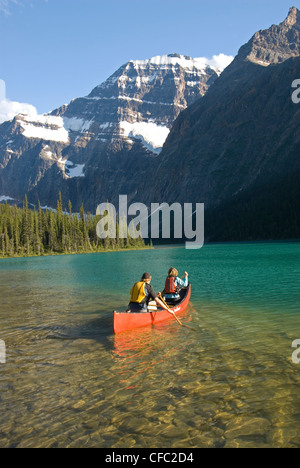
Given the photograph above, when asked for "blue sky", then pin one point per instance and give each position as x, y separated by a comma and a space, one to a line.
55, 50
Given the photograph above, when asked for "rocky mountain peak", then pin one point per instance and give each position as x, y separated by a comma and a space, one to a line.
293, 17
276, 44
141, 100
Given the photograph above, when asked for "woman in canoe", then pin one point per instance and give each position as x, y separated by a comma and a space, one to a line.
142, 293
174, 284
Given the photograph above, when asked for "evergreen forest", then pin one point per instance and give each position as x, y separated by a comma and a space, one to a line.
34, 232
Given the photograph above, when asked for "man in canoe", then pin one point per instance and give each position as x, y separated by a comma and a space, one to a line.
142, 293
173, 286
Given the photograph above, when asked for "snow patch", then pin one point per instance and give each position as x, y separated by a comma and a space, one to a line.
52, 128
49, 155
44, 127
218, 62
77, 125
264, 63
72, 170
43, 120
152, 135
5, 198
192, 83
106, 125
48, 208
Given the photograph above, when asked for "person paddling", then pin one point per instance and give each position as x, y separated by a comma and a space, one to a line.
142, 293
174, 284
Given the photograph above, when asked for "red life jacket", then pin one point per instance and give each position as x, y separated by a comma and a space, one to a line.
170, 286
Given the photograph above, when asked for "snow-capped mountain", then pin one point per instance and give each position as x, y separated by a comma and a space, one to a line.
142, 99
80, 148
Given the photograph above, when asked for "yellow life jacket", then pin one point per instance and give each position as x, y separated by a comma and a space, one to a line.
138, 292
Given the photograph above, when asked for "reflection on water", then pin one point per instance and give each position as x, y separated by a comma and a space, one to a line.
69, 382
138, 351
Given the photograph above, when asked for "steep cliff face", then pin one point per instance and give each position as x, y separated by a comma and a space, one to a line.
243, 136
91, 148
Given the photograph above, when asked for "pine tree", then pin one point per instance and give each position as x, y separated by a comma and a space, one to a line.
26, 231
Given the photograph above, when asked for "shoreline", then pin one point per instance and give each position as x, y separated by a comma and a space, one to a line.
57, 254
249, 242
154, 247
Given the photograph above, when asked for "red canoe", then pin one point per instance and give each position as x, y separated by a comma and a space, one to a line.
124, 321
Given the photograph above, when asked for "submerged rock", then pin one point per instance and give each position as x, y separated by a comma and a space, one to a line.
246, 426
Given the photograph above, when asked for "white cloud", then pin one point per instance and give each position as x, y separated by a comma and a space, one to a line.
2, 90
9, 109
152, 135
5, 5
220, 61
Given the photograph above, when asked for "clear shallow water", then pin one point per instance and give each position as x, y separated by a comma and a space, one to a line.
69, 382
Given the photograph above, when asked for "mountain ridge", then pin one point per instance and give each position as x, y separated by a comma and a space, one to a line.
241, 137
285, 37
124, 120
230, 138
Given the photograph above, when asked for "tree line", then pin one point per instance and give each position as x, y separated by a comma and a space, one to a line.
35, 232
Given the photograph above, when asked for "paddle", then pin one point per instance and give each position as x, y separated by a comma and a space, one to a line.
173, 313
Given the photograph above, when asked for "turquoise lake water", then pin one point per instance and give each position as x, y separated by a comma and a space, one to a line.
69, 382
